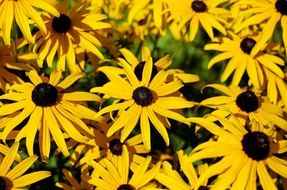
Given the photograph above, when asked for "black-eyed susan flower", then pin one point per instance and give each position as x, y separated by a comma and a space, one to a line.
269, 12
110, 176
10, 62
246, 105
13, 178
73, 181
171, 178
22, 11
161, 64
100, 146
237, 50
52, 112
150, 99
189, 14
244, 156
65, 33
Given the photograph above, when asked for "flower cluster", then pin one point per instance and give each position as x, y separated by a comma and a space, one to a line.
143, 94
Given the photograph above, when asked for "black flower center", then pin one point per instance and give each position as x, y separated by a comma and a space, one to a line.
247, 101
125, 187
44, 94
5, 183
139, 70
256, 145
116, 147
247, 45
143, 96
2, 184
61, 24
281, 6
198, 6
203, 188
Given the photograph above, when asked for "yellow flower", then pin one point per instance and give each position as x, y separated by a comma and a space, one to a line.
67, 32
266, 11
8, 62
147, 99
237, 49
245, 155
173, 180
193, 12
51, 110
110, 176
100, 146
22, 11
246, 105
14, 179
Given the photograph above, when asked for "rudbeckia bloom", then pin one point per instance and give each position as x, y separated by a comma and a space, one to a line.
149, 99
100, 146
110, 176
245, 155
270, 12
161, 64
66, 32
194, 12
237, 50
21, 11
8, 63
74, 183
13, 178
173, 180
51, 110
246, 105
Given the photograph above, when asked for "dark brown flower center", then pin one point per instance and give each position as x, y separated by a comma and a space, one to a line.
125, 187
139, 70
281, 6
203, 188
44, 94
61, 24
256, 145
247, 45
5, 183
247, 101
116, 147
143, 96
198, 6
2, 184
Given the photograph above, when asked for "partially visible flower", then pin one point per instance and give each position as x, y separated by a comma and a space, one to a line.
246, 105
67, 32
11, 62
110, 176
268, 12
21, 11
188, 14
171, 179
236, 49
52, 112
245, 155
74, 183
13, 178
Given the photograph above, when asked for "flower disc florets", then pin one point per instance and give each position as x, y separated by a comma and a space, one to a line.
44, 94
61, 24
256, 145
198, 6
247, 101
116, 147
281, 6
139, 70
143, 96
247, 45
125, 187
